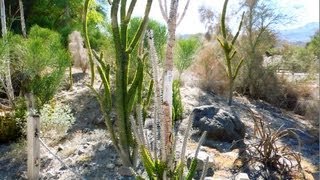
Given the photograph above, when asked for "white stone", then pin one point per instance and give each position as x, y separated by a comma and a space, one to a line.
242, 176
202, 157
102, 147
110, 166
208, 178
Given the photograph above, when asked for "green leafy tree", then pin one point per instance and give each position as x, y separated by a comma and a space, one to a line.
44, 63
186, 49
159, 33
298, 59
314, 44
58, 15
160, 36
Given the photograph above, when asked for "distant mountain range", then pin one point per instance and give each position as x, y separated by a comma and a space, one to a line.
300, 35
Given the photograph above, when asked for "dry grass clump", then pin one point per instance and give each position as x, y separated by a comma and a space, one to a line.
78, 53
302, 98
210, 70
266, 150
308, 103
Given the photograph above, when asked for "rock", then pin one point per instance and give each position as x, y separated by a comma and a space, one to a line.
60, 148
210, 172
222, 175
80, 152
118, 162
242, 176
220, 124
125, 171
102, 147
110, 166
202, 157
63, 168
208, 178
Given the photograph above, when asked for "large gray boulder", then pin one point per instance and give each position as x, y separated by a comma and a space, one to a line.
220, 124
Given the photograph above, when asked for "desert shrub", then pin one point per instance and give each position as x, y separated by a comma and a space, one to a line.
185, 51
20, 115
177, 113
55, 119
210, 70
8, 127
13, 123
298, 59
43, 64
307, 102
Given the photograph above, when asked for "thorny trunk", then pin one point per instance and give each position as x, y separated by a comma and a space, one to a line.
23, 22
8, 83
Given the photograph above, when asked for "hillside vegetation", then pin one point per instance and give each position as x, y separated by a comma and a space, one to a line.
121, 97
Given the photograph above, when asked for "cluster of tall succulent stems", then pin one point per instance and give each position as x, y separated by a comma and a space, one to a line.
125, 92
229, 51
159, 157
87, 42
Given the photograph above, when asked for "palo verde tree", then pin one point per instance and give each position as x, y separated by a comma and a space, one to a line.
229, 51
125, 91
259, 22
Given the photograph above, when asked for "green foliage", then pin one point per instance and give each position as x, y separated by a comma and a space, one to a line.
160, 36
185, 51
8, 127
56, 119
177, 113
40, 62
159, 32
45, 63
192, 170
157, 168
127, 93
314, 44
62, 16
298, 59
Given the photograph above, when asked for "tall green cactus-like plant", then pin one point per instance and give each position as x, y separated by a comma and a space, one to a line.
157, 166
125, 93
229, 50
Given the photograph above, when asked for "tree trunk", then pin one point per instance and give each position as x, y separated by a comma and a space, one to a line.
22, 20
3, 18
8, 83
168, 80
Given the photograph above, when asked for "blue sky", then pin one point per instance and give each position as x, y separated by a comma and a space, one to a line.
304, 11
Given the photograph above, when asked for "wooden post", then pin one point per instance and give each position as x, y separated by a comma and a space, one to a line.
33, 143
33, 131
